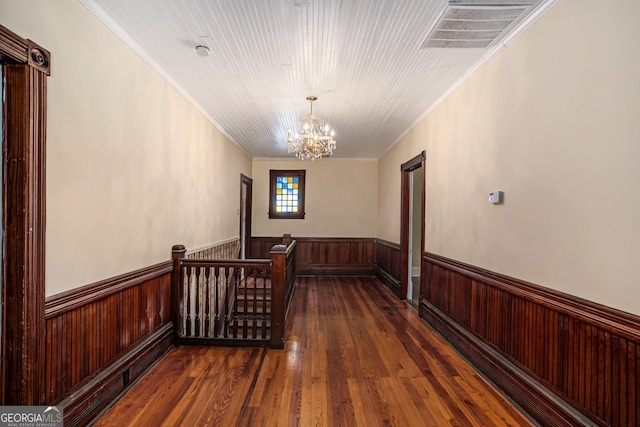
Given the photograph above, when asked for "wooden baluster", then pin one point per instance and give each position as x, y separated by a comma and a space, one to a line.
216, 302
240, 286
228, 281
245, 311
236, 289
246, 307
198, 291
265, 315
207, 301
177, 291
291, 275
189, 273
226, 309
254, 317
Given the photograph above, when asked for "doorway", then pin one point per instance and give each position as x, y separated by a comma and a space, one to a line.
415, 235
412, 220
246, 189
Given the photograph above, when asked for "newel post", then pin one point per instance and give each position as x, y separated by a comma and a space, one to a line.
278, 275
177, 254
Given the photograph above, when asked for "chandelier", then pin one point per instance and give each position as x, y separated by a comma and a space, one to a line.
315, 139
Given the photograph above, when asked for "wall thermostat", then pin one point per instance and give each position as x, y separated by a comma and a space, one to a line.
496, 197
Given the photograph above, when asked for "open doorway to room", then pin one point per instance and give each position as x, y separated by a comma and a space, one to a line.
412, 227
415, 235
246, 187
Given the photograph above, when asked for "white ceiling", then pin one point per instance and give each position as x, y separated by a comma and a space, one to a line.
363, 59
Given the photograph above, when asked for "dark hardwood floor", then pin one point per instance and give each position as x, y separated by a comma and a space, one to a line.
355, 355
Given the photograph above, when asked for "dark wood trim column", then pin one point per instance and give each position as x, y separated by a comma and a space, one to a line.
278, 256
26, 66
177, 254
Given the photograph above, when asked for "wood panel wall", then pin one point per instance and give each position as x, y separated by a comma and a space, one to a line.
387, 266
337, 256
567, 361
261, 246
103, 336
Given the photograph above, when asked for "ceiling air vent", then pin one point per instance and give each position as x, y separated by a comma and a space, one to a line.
476, 23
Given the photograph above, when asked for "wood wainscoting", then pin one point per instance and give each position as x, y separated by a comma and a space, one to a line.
321, 256
104, 336
261, 246
388, 265
565, 360
229, 249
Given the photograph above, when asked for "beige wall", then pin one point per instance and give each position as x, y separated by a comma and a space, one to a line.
132, 167
553, 122
340, 201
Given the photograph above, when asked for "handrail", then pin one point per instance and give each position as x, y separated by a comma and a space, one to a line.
258, 263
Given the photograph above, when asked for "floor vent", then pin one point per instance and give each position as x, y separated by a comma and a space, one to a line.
126, 379
476, 23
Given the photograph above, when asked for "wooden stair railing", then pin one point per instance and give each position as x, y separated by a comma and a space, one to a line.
232, 301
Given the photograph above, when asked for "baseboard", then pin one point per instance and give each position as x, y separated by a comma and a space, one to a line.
367, 270
388, 280
85, 403
415, 271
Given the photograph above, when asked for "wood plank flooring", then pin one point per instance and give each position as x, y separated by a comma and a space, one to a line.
354, 356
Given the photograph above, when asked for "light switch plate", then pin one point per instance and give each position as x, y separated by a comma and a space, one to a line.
496, 197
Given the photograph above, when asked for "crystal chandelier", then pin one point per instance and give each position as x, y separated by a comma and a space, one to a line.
315, 139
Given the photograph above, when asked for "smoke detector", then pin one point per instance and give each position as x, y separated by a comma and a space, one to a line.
202, 50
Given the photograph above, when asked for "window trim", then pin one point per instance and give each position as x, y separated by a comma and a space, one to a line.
301, 174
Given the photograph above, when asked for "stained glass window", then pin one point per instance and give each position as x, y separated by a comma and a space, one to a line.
287, 194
